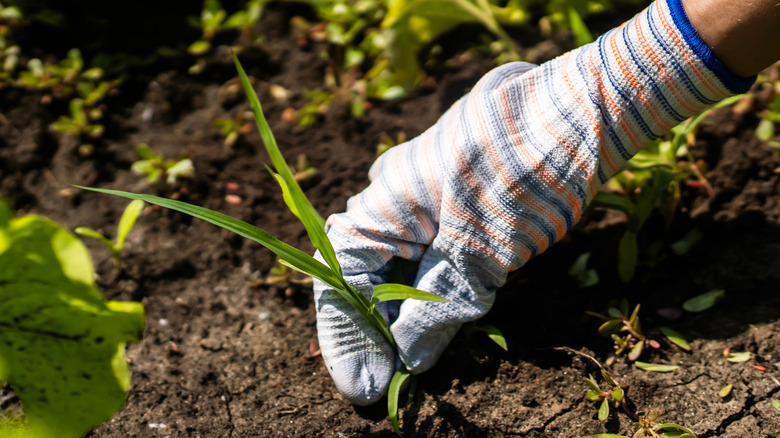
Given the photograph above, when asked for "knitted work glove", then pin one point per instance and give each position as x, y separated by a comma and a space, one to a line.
504, 174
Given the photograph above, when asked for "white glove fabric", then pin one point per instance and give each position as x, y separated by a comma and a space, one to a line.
504, 174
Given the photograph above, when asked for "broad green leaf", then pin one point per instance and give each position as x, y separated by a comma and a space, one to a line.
394, 291
704, 301
776, 404
618, 395
297, 258
393, 394
129, 216
739, 356
61, 343
604, 410
655, 367
675, 338
308, 215
725, 391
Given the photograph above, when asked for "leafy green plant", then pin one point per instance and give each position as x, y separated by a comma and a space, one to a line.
329, 273
613, 397
625, 330
126, 222
160, 171
214, 20
233, 129
652, 181
61, 344
647, 427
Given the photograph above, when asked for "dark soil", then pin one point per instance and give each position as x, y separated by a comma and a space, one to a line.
227, 355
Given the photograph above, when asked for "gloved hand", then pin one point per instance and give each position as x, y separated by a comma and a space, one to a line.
498, 179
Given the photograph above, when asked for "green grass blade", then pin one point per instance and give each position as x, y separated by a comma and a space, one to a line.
129, 216
95, 235
306, 211
299, 259
393, 394
394, 291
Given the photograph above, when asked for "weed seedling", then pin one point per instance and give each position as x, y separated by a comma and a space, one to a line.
233, 129
158, 170
126, 222
329, 273
625, 330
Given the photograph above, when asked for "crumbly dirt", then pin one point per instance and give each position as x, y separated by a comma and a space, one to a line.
227, 355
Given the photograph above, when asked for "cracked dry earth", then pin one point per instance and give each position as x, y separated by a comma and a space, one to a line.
226, 355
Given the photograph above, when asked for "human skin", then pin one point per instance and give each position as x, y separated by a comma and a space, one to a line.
743, 34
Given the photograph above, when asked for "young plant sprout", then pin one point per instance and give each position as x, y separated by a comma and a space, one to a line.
329, 273
625, 330
160, 171
126, 222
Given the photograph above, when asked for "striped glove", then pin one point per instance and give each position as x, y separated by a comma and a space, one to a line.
504, 174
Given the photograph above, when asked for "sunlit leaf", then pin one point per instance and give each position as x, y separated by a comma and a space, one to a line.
655, 367
393, 291
393, 394
675, 338
604, 410
776, 404
725, 391
739, 356
129, 216
636, 350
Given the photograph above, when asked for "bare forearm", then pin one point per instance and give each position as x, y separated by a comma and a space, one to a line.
743, 35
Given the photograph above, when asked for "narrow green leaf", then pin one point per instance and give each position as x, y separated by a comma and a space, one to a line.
129, 216
297, 258
739, 357
725, 391
675, 338
393, 394
591, 382
608, 378
611, 327
89, 232
604, 410
395, 291
656, 368
308, 214
704, 301
580, 30
286, 194
494, 334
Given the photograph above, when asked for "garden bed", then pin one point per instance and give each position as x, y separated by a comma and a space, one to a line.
227, 354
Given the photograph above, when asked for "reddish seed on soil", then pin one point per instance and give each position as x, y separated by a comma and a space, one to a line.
757, 367
314, 351
232, 186
232, 199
